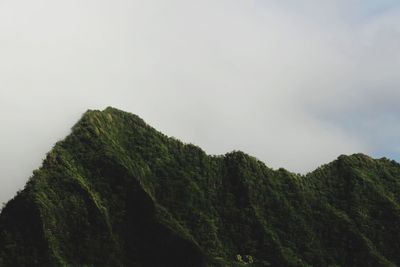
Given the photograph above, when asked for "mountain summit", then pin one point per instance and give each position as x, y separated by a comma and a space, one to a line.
116, 192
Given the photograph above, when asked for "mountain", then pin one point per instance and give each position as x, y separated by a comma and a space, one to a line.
116, 192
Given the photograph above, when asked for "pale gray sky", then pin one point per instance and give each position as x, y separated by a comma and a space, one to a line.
294, 84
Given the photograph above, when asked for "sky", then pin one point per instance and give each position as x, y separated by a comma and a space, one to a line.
295, 84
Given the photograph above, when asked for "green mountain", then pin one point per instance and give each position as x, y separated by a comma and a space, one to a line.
116, 192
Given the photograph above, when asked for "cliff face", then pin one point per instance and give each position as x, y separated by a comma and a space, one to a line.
116, 192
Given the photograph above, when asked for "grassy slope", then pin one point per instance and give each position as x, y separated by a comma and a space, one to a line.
118, 193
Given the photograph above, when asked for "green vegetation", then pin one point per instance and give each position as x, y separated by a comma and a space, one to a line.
116, 192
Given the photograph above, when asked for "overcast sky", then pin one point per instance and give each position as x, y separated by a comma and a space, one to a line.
295, 84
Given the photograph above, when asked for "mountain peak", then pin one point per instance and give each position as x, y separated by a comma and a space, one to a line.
356, 157
116, 192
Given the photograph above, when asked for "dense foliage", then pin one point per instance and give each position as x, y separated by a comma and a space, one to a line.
116, 192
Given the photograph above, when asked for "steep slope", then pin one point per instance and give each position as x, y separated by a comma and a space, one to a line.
116, 192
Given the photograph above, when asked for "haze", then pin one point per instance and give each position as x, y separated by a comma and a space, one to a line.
295, 84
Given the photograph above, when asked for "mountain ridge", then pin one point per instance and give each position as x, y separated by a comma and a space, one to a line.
116, 192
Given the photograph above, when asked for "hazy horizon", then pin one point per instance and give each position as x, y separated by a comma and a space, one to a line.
292, 84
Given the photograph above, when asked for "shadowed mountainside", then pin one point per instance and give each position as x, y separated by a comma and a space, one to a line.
116, 192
